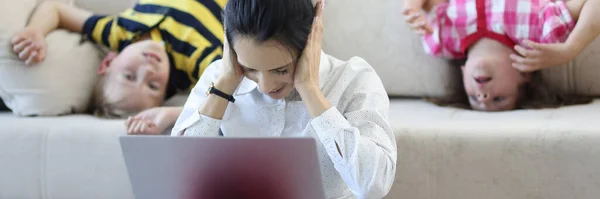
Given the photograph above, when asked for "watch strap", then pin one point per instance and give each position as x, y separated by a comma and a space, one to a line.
219, 93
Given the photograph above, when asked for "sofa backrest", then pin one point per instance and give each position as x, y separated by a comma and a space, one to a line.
376, 31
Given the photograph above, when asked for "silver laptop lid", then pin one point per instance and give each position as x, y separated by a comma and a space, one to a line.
198, 167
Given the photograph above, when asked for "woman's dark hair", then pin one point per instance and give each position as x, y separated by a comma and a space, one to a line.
286, 21
534, 95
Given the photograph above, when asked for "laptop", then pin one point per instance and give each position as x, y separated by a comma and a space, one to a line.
198, 167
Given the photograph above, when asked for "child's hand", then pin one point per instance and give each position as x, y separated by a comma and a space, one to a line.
142, 127
153, 121
413, 15
540, 56
30, 45
417, 21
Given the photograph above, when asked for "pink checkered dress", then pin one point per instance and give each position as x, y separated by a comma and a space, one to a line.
460, 23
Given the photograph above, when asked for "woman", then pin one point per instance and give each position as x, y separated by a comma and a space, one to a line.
274, 81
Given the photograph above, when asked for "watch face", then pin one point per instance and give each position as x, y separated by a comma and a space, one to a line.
209, 88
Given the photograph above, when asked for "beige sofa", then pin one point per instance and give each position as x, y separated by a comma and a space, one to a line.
443, 153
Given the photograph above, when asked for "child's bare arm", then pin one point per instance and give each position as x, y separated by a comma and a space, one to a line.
542, 56
51, 15
30, 43
588, 24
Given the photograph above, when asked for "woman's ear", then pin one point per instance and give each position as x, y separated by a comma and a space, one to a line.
106, 63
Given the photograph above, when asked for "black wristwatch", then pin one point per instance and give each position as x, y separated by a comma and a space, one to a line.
213, 90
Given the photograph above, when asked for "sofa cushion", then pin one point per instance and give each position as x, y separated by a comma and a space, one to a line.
106, 7
460, 154
61, 84
579, 76
14, 15
442, 153
62, 157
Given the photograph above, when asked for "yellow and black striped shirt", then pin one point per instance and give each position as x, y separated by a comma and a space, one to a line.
191, 29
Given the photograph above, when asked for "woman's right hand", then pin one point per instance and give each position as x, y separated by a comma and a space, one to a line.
231, 76
30, 45
231, 72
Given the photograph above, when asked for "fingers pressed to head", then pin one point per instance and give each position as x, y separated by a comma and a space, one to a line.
522, 60
525, 52
319, 12
523, 67
531, 44
316, 32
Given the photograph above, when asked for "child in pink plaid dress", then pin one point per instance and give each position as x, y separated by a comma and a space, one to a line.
504, 41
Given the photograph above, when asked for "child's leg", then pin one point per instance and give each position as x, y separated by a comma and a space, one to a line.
588, 23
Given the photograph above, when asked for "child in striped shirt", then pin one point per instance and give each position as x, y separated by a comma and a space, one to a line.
505, 42
163, 47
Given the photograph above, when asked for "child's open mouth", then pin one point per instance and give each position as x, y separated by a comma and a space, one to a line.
482, 79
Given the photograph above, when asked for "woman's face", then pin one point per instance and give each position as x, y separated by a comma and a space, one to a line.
270, 64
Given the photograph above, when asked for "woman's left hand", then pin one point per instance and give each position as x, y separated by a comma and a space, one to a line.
306, 79
307, 71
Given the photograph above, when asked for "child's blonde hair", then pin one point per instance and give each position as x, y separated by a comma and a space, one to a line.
104, 107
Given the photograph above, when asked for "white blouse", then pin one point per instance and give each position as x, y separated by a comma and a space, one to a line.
357, 122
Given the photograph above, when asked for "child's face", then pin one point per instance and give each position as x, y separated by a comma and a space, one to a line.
137, 78
491, 83
269, 64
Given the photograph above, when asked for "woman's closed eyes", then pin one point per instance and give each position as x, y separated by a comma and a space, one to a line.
282, 72
278, 71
